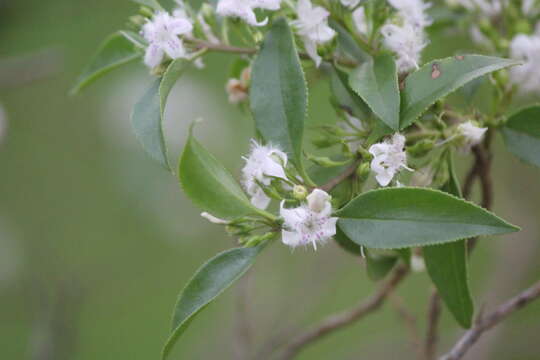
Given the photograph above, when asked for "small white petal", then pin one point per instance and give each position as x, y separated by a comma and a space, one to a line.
153, 56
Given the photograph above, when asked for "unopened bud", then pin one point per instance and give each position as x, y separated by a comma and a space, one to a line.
137, 20
421, 148
299, 192
146, 11
362, 172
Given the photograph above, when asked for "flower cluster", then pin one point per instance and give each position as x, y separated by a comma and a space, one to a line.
245, 9
389, 158
312, 26
309, 224
162, 34
407, 38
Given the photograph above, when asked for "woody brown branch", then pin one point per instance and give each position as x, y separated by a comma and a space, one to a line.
487, 322
348, 317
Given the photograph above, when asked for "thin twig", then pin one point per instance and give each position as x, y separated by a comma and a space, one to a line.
201, 44
487, 322
481, 169
348, 317
432, 337
341, 177
410, 322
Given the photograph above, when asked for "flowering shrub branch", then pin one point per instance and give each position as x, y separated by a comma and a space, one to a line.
379, 179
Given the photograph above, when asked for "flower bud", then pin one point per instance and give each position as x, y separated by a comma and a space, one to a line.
318, 200
299, 192
421, 148
362, 172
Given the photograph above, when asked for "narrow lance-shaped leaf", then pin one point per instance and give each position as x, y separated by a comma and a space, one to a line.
209, 185
396, 218
447, 266
212, 278
278, 94
147, 116
376, 82
522, 134
439, 78
114, 52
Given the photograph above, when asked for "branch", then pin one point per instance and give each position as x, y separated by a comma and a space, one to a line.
201, 44
432, 337
348, 317
481, 169
487, 322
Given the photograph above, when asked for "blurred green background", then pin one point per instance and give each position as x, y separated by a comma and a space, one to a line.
96, 240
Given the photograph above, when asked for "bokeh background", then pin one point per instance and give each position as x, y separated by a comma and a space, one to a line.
96, 240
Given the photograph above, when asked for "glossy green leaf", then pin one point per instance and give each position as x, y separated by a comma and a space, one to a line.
376, 82
378, 265
147, 116
344, 96
347, 244
348, 44
447, 266
278, 93
114, 52
153, 4
439, 78
212, 278
394, 218
209, 185
522, 134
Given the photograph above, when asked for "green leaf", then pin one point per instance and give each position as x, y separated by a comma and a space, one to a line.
522, 134
147, 116
394, 218
345, 96
209, 185
114, 52
153, 4
347, 244
378, 265
348, 44
212, 278
376, 82
278, 93
447, 266
439, 78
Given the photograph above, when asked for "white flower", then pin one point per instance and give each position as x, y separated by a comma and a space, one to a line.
352, 126
526, 76
263, 164
244, 9
213, 219
408, 39
350, 3
162, 33
412, 11
309, 223
472, 133
312, 26
488, 8
238, 89
407, 42
389, 157
360, 20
